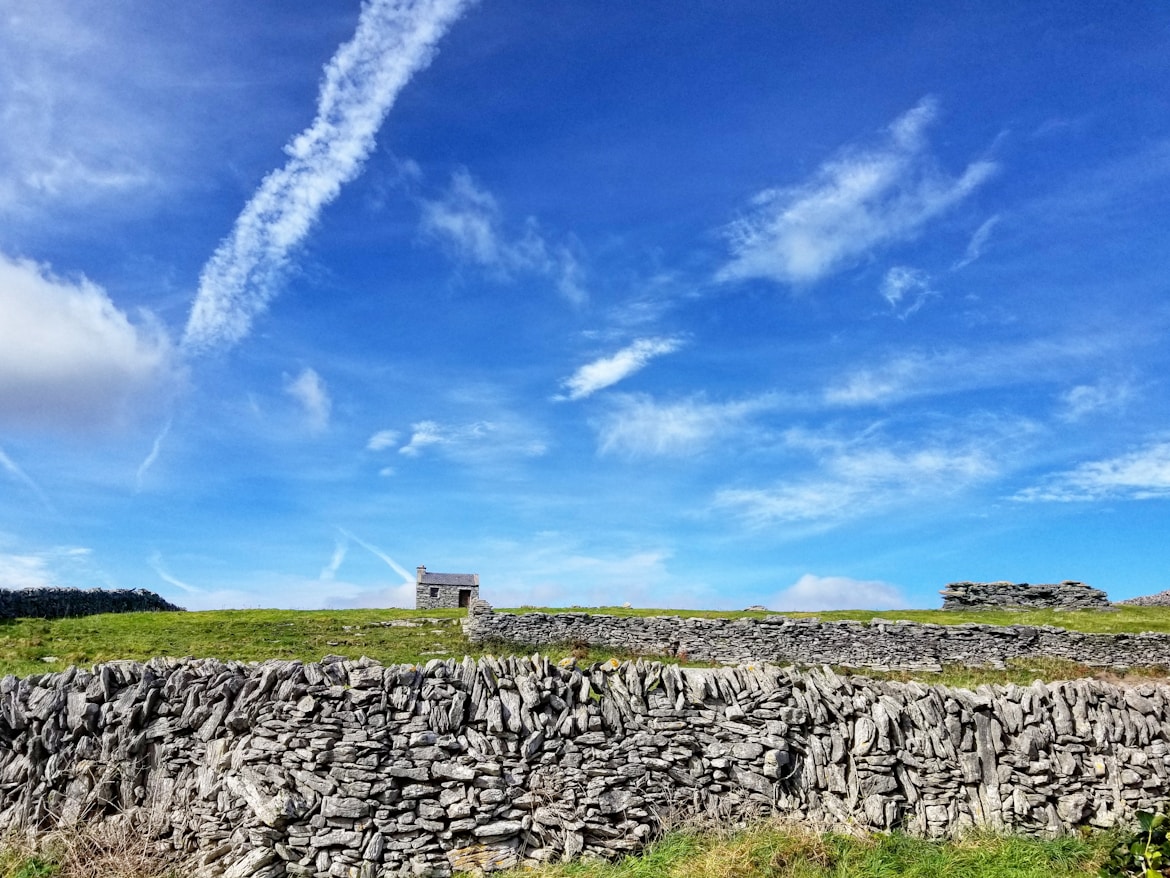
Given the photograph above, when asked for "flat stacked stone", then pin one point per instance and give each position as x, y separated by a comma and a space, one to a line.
881, 644
1161, 599
352, 768
1067, 595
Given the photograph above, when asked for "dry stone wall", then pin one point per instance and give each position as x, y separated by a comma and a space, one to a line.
57, 603
1161, 599
349, 768
1067, 595
878, 644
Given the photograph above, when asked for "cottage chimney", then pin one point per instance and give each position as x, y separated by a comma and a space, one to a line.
419, 574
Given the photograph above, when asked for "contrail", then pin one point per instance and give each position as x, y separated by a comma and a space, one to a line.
25, 479
393, 41
155, 561
406, 577
152, 457
340, 550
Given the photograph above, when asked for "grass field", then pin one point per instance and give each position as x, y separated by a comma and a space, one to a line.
31, 646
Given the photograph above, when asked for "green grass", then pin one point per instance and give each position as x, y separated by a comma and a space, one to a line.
766, 850
772, 850
31, 646
243, 635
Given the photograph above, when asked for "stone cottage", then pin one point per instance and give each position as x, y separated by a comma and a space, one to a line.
438, 591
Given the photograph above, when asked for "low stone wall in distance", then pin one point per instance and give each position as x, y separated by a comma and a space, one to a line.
1161, 599
878, 644
351, 768
1067, 595
58, 603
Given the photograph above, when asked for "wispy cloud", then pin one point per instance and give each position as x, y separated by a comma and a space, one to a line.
477, 442
857, 201
853, 478
640, 426
812, 592
1143, 474
67, 111
906, 289
150, 458
382, 440
977, 243
467, 220
393, 41
607, 371
1101, 397
309, 389
68, 357
910, 374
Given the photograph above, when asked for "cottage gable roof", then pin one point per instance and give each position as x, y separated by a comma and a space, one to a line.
427, 578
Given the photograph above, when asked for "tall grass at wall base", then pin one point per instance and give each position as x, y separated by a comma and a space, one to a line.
785, 850
109, 851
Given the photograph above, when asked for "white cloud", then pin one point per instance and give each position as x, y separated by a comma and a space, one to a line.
901, 376
309, 389
68, 357
1140, 475
856, 202
393, 41
477, 442
811, 593
63, 566
422, 434
639, 426
906, 289
467, 220
26, 571
72, 132
382, 440
607, 371
1085, 400
858, 477
909, 374
977, 243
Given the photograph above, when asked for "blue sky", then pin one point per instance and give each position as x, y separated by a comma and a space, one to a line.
808, 304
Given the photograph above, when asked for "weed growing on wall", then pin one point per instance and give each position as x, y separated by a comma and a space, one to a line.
1143, 854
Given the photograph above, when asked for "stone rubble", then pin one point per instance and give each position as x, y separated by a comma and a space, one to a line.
349, 769
1067, 595
879, 644
1161, 599
59, 603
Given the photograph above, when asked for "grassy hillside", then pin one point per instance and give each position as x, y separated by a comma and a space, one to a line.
29, 646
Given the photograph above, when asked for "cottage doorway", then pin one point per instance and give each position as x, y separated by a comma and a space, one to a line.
464, 597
